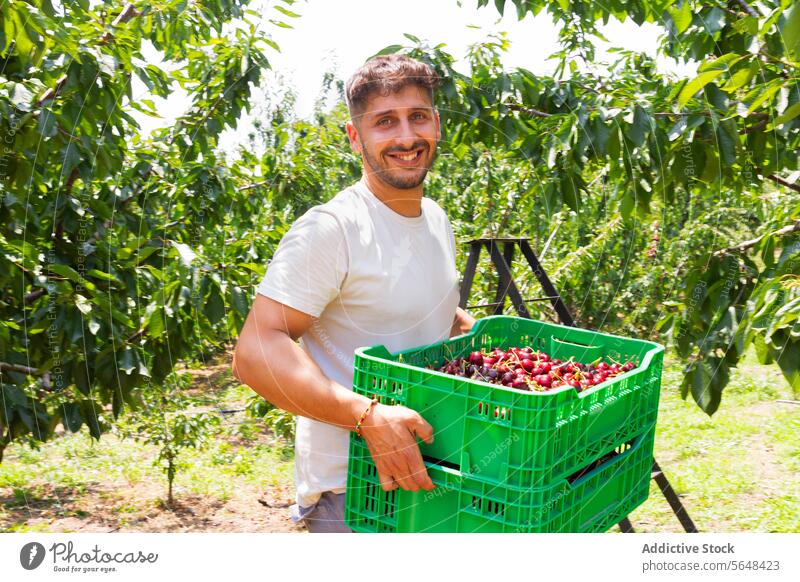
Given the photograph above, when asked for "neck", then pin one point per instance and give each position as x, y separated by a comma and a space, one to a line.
404, 202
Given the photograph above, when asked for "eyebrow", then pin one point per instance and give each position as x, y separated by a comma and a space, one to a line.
388, 111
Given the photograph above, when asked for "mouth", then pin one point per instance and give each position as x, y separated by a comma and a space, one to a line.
407, 159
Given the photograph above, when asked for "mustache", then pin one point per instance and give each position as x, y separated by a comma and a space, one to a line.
416, 146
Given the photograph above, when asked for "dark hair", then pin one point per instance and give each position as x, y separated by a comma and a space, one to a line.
384, 75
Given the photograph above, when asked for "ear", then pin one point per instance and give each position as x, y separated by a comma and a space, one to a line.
438, 125
352, 135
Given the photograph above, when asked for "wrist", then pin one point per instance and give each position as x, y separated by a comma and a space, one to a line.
358, 405
365, 416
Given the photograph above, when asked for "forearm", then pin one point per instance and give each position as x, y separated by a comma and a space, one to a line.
462, 323
278, 369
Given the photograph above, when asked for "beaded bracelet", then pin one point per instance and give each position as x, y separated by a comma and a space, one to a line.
364, 415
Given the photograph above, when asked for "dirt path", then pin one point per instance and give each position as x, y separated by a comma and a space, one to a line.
105, 508
59, 492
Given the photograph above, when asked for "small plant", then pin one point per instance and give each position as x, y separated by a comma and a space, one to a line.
166, 419
278, 420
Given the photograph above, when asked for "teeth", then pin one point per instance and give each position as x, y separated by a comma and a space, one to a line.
407, 157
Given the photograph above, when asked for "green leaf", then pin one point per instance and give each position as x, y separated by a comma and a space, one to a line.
791, 32
288, 13
47, 123
239, 300
186, 254
791, 112
627, 204
71, 415
741, 77
65, 271
81, 377
788, 358
637, 131
90, 410
127, 361
21, 97
722, 63
83, 304
693, 86
681, 17
102, 275
714, 20
728, 141
677, 129
215, 306
761, 94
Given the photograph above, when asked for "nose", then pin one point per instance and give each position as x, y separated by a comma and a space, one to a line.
406, 135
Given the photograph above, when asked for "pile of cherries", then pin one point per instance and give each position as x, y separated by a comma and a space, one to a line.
525, 369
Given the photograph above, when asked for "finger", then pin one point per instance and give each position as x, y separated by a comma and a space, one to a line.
423, 430
419, 471
403, 474
387, 481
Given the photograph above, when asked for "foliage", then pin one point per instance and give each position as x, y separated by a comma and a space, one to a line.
279, 421
620, 140
167, 421
660, 206
110, 273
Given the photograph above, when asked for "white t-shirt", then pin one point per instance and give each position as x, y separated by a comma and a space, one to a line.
368, 276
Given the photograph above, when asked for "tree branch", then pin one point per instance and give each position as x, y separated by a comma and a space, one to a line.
748, 9
136, 336
4, 366
128, 12
256, 185
33, 296
527, 110
741, 247
782, 182
51, 93
755, 127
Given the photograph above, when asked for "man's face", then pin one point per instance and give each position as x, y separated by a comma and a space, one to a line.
397, 135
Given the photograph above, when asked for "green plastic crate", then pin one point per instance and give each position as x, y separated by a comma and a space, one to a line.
592, 500
520, 439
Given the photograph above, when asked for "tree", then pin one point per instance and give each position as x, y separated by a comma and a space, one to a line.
649, 142
105, 278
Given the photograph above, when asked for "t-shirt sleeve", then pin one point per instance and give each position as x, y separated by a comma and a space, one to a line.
309, 265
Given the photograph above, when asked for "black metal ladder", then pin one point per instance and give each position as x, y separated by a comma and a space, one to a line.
508, 288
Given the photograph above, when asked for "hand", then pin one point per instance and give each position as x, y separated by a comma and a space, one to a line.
389, 432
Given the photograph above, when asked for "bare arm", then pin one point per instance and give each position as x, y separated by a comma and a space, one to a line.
269, 361
462, 323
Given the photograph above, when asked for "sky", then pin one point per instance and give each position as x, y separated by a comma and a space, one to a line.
340, 35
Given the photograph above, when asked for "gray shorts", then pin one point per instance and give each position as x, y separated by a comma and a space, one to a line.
326, 516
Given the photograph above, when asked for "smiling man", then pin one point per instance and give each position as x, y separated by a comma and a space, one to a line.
374, 265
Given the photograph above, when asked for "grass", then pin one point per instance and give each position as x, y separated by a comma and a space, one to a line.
68, 476
735, 471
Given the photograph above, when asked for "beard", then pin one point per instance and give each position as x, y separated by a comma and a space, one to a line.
400, 178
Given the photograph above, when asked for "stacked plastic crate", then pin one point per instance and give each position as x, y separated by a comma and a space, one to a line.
507, 460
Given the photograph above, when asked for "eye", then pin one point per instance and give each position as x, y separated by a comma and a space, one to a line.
418, 115
384, 121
